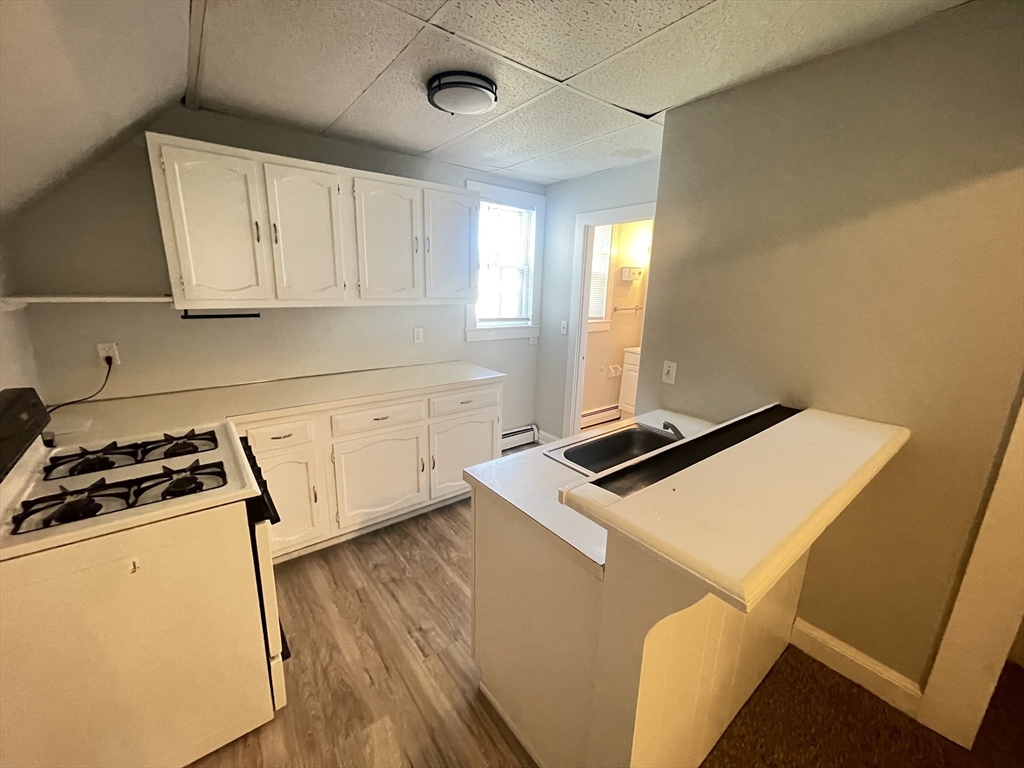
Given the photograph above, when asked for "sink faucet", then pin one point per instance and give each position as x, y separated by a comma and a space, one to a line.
673, 429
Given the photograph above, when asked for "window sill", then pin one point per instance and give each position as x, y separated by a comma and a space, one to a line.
598, 325
495, 332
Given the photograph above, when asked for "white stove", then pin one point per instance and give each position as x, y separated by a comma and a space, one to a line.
59, 496
138, 611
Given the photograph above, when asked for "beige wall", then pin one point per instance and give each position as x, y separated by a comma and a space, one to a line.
849, 235
617, 188
17, 362
98, 234
605, 347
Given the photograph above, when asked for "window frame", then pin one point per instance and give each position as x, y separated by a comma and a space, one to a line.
597, 324
487, 331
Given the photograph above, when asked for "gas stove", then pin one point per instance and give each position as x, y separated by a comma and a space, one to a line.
69, 495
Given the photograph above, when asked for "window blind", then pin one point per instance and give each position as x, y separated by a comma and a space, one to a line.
506, 263
599, 264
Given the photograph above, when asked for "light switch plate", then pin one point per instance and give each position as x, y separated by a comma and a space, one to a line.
417, 335
565, 327
668, 372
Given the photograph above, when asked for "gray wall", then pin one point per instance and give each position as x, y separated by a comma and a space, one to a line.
849, 235
98, 234
619, 187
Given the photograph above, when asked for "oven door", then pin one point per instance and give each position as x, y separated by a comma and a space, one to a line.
271, 616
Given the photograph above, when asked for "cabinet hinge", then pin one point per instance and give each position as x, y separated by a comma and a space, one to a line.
181, 280
333, 458
337, 517
162, 166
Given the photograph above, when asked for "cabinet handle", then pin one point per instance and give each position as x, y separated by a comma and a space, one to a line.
415, 244
257, 230
465, 402
428, 244
423, 465
274, 225
433, 464
315, 499
281, 437
381, 418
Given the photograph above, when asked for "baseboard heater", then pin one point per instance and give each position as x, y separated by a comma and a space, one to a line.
600, 416
519, 436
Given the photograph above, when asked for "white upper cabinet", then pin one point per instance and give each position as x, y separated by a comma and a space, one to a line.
389, 228
450, 243
305, 221
218, 224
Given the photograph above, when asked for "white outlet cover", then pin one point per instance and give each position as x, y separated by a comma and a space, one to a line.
668, 372
565, 327
108, 349
417, 335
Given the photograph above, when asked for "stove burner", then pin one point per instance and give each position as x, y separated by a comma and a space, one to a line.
113, 455
91, 464
102, 498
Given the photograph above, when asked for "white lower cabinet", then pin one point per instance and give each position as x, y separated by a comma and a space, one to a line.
457, 444
292, 478
379, 475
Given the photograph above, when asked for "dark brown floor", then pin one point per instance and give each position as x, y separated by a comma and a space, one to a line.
381, 675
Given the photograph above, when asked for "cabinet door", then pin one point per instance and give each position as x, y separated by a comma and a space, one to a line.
389, 227
457, 444
219, 225
451, 252
627, 393
292, 479
305, 223
379, 475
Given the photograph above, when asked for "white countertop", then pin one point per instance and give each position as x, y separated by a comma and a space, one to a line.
738, 520
113, 419
530, 481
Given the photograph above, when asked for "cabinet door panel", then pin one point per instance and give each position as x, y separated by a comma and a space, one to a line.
389, 225
305, 232
450, 227
218, 224
627, 393
379, 475
457, 444
292, 479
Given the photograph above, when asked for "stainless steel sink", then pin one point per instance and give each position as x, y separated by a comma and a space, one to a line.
609, 450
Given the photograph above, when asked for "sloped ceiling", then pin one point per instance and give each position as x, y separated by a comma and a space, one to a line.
74, 75
582, 84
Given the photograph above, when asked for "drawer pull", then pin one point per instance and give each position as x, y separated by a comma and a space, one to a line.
381, 418
281, 437
465, 402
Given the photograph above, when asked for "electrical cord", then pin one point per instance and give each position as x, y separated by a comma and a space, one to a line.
110, 366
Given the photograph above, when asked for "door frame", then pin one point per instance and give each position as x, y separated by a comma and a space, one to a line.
577, 345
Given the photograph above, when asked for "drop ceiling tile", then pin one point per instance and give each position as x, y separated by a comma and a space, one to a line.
554, 120
394, 111
732, 41
630, 145
422, 9
560, 37
298, 62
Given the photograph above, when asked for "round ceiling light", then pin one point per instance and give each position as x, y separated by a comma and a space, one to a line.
462, 93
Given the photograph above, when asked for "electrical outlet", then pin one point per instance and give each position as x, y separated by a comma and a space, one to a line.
417, 335
565, 327
108, 350
533, 339
668, 372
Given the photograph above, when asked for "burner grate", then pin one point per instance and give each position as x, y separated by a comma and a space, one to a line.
111, 456
102, 498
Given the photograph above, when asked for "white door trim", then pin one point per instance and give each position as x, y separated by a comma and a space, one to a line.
577, 347
987, 612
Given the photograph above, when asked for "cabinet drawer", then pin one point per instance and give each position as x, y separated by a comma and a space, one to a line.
283, 435
463, 401
383, 415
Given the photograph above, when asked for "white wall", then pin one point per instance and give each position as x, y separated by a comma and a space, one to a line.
849, 235
619, 187
98, 234
17, 362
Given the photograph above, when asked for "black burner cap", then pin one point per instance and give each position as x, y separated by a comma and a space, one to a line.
76, 509
180, 448
91, 464
182, 486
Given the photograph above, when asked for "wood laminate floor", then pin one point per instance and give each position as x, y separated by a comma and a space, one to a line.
381, 672
381, 676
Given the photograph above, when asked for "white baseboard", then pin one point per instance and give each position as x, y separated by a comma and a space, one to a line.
886, 683
521, 436
599, 416
546, 437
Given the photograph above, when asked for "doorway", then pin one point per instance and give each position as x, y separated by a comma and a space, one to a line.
609, 299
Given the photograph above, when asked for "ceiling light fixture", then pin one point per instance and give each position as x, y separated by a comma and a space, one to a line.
462, 93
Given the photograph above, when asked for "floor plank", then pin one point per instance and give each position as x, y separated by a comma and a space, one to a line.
381, 673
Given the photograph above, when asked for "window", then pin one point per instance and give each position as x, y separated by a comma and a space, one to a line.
600, 263
510, 235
